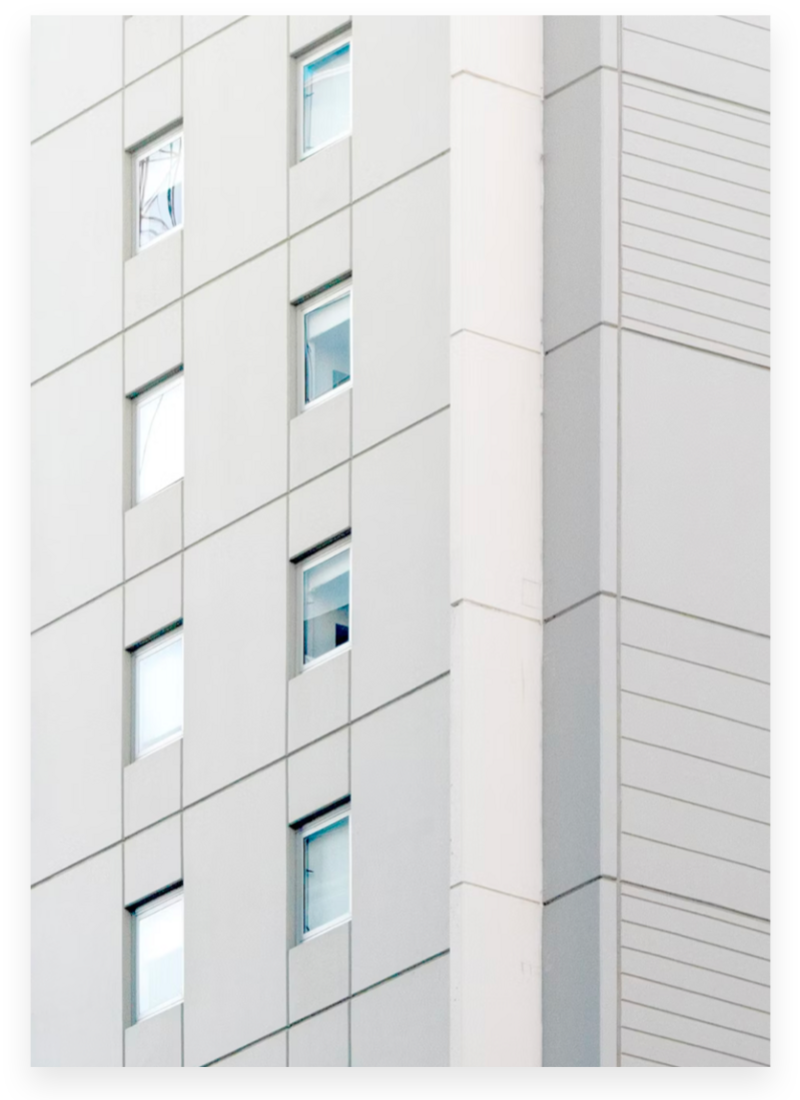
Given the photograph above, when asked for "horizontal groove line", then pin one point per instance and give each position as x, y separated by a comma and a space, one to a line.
695, 241
695, 1019
695, 312
694, 125
696, 756
240, 779
629, 883
694, 218
744, 23
239, 519
692, 263
693, 913
696, 149
690, 194
695, 852
707, 339
707, 106
697, 664
695, 966
333, 1004
694, 1046
650, 1061
695, 993
688, 801
695, 939
697, 49
697, 618
695, 171
692, 287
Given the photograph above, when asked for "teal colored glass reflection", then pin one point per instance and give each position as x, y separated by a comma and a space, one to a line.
326, 606
326, 99
327, 347
326, 876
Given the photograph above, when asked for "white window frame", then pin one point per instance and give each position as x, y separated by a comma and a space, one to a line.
316, 301
139, 155
331, 46
169, 897
144, 650
148, 393
315, 825
336, 547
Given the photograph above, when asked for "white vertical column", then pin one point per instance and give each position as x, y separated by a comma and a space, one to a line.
496, 557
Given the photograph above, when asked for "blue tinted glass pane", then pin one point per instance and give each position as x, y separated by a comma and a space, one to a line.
326, 605
327, 347
326, 98
159, 694
326, 868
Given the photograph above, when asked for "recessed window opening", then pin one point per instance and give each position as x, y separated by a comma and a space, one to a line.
326, 593
158, 692
325, 872
158, 187
159, 431
158, 953
325, 96
327, 346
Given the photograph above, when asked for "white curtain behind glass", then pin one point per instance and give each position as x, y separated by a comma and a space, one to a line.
327, 875
159, 695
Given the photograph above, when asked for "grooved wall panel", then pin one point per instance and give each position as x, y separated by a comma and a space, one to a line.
695, 212
694, 982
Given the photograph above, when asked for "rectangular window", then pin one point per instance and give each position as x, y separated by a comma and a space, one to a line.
326, 603
158, 693
159, 437
158, 187
325, 872
158, 950
327, 346
325, 94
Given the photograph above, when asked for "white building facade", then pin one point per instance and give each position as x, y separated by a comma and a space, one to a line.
400, 519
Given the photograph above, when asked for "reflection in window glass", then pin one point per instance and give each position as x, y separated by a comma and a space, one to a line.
326, 875
326, 605
159, 954
159, 190
326, 99
327, 347
159, 438
159, 692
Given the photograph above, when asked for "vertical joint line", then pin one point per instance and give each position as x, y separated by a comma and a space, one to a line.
618, 692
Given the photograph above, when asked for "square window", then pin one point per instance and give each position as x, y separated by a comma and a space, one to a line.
158, 950
325, 873
327, 346
158, 186
159, 437
158, 693
325, 97
326, 603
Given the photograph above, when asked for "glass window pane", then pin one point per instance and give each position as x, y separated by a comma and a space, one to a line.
159, 694
327, 347
326, 98
159, 957
326, 871
160, 191
159, 438
326, 605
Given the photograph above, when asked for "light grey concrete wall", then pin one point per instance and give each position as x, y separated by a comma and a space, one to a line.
495, 567
263, 744
656, 468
